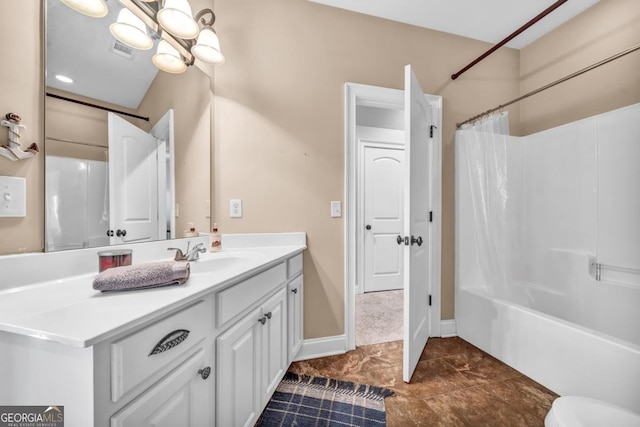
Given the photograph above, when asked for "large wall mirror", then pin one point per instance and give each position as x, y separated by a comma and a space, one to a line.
139, 174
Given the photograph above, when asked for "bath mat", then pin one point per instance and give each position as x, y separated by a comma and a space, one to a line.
302, 401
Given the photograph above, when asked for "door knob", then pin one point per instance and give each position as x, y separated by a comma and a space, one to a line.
418, 240
399, 239
121, 233
263, 320
294, 290
268, 315
204, 373
109, 233
368, 227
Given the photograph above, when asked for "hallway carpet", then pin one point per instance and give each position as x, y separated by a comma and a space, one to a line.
455, 384
379, 317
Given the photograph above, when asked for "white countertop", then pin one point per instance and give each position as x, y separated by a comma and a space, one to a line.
69, 311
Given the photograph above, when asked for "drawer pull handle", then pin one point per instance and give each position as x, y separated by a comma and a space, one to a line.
204, 373
169, 341
263, 320
268, 315
295, 290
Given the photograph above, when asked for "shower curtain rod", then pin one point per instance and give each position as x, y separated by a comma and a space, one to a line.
511, 36
68, 141
99, 107
552, 84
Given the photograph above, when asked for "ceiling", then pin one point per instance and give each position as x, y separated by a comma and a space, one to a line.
83, 49
487, 20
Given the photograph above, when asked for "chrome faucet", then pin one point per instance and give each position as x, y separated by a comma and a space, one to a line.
189, 255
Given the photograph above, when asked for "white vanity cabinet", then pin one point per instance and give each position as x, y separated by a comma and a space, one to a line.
208, 354
295, 306
180, 348
182, 398
252, 359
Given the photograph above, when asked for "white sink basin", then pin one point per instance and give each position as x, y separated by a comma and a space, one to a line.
217, 262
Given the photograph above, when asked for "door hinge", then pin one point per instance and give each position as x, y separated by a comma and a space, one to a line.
430, 216
429, 300
431, 128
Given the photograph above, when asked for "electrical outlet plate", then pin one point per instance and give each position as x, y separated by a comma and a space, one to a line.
235, 208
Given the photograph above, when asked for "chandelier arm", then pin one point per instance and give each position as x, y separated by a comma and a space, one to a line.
200, 17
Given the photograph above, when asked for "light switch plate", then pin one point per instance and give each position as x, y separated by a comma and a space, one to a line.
13, 196
336, 209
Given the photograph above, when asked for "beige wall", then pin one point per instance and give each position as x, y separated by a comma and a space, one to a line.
280, 129
603, 30
21, 92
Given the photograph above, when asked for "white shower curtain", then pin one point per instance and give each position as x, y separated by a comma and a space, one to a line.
484, 146
496, 123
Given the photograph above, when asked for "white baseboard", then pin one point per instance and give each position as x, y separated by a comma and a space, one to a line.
337, 344
322, 347
448, 328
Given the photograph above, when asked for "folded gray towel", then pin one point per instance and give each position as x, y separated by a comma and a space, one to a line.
143, 276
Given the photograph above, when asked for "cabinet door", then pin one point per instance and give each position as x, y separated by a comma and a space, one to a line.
295, 316
274, 343
182, 398
238, 372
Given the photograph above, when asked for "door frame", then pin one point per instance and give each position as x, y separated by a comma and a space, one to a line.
374, 96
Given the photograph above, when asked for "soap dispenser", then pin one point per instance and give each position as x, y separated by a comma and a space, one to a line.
215, 239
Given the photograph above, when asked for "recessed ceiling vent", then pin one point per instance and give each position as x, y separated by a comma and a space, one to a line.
122, 49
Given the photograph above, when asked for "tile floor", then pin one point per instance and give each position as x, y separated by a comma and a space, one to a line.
455, 384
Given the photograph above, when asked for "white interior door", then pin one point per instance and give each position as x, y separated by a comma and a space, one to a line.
163, 132
133, 182
416, 243
383, 217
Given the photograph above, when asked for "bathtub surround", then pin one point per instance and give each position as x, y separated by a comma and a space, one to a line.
535, 216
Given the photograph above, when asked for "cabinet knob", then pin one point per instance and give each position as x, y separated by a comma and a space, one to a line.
263, 320
368, 227
268, 315
294, 290
204, 373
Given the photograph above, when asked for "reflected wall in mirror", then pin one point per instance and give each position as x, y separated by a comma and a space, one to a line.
114, 178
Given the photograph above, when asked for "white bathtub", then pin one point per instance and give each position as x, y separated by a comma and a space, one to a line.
525, 330
533, 214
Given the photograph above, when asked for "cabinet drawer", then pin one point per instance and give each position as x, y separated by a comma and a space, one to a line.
294, 266
138, 356
234, 300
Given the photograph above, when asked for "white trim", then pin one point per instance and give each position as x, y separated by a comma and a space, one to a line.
436, 226
322, 347
448, 328
358, 94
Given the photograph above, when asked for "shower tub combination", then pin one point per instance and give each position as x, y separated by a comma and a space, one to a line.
548, 253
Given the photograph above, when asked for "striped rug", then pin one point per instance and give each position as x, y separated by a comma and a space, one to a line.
301, 401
